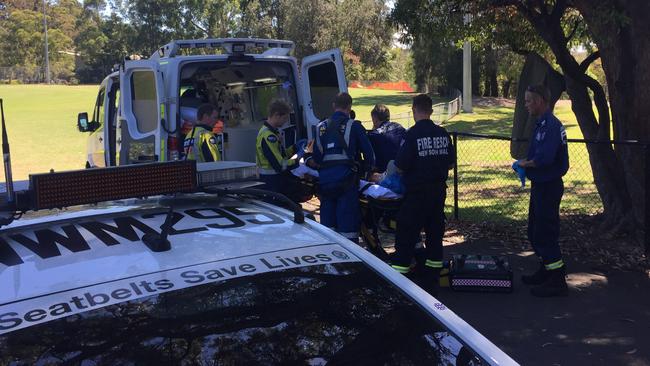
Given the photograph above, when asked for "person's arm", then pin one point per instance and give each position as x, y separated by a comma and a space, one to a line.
364, 145
405, 155
271, 151
546, 149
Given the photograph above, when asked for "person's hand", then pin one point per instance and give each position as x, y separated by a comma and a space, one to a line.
310, 147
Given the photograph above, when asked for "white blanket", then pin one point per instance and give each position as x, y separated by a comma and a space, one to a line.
377, 191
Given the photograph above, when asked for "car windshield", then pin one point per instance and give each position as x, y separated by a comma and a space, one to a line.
329, 313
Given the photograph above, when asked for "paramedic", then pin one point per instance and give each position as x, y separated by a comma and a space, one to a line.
273, 159
340, 141
201, 143
547, 162
424, 159
385, 136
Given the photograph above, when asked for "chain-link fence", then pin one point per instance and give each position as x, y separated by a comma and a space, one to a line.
486, 188
441, 113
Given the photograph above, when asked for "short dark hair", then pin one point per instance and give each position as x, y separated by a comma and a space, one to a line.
204, 109
381, 112
540, 90
279, 106
423, 103
343, 100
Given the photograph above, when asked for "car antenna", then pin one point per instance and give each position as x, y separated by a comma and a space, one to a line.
6, 157
159, 242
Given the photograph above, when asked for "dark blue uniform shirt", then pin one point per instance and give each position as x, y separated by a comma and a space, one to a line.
386, 140
548, 149
425, 156
358, 143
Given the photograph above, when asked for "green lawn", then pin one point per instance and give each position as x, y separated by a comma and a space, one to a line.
41, 123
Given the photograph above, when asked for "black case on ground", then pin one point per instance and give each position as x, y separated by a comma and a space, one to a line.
482, 273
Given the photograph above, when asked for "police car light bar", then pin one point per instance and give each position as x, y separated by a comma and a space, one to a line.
54, 190
220, 172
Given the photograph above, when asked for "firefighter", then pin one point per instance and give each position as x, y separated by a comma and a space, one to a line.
547, 162
340, 141
273, 159
201, 143
424, 160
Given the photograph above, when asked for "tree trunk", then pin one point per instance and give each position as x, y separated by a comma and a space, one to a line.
624, 45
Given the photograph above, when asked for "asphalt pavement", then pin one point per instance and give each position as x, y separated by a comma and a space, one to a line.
605, 320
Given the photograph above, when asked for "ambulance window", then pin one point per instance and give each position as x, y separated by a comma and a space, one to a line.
143, 100
323, 86
98, 115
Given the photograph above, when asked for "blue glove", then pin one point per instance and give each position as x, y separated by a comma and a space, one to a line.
521, 173
300, 147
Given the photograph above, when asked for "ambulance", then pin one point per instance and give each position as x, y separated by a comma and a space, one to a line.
140, 108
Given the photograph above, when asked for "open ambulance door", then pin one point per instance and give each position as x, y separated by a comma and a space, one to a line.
322, 76
142, 113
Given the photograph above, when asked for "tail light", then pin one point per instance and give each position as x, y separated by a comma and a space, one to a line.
172, 148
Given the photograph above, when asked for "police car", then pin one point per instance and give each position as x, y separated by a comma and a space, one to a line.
167, 263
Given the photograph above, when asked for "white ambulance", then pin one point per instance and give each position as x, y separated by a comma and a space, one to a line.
140, 108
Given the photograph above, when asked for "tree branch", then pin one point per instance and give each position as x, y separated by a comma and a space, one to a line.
573, 32
584, 65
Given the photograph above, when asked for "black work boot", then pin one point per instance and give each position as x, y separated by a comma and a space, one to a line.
555, 284
536, 278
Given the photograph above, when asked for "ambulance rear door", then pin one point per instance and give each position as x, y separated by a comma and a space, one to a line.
142, 113
322, 76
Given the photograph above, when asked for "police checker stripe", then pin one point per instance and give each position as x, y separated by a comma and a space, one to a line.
24, 313
480, 282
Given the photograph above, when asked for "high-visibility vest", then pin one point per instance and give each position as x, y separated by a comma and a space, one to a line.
271, 156
333, 141
201, 145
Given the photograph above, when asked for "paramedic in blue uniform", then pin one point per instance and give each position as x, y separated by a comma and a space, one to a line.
339, 142
547, 162
424, 160
385, 136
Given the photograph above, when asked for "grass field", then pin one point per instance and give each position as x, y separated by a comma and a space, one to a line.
41, 122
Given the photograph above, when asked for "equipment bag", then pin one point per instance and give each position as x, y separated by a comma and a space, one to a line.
483, 273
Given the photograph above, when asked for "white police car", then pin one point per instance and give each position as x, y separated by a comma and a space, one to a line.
209, 277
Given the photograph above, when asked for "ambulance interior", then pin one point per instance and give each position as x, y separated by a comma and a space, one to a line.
241, 93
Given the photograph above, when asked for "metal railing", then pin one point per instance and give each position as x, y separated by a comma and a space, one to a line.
441, 112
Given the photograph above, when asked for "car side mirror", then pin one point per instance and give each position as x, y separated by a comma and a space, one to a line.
83, 124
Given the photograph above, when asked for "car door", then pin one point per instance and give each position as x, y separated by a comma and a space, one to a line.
96, 150
322, 77
142, 113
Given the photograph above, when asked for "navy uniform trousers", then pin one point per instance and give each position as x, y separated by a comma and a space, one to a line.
544, 219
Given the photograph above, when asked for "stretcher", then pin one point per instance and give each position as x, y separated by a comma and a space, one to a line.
377, 215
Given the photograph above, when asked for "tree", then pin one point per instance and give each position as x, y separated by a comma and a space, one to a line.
618, 29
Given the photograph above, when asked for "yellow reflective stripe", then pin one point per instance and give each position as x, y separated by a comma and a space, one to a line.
162, 150
162, 111
555, 265
400, 269
433, 264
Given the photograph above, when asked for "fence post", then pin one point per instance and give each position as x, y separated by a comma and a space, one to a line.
455, 142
